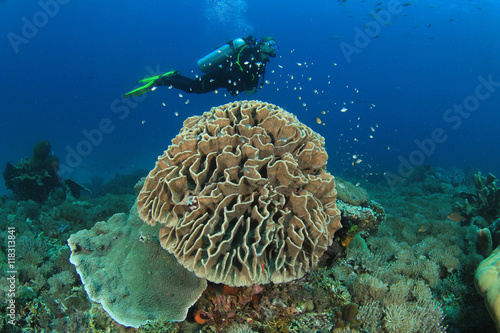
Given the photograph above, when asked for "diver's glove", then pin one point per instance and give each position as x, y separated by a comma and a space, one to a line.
150, 82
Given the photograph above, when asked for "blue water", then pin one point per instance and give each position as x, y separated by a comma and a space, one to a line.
65, 65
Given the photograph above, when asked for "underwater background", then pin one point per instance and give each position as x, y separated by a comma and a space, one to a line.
406, 95
73, 71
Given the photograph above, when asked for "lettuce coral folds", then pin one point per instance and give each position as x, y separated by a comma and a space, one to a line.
244, 195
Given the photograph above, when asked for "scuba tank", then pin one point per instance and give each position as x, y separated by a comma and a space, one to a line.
219, 56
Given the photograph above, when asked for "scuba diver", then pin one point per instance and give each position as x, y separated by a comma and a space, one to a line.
238, 66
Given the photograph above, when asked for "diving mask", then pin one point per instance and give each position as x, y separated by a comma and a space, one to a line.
273, 48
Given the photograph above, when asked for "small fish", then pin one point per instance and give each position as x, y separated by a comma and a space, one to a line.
455, 217
423, 228
343, 110
406, 4
318, 120
342, 186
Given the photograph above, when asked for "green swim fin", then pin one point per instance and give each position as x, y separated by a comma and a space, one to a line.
152, 78
150, 81
141, 90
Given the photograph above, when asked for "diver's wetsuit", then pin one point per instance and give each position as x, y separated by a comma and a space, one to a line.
239, 73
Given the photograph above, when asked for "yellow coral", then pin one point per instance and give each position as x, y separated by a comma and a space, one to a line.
487, 283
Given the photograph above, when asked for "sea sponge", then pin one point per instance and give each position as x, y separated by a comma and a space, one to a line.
244, 195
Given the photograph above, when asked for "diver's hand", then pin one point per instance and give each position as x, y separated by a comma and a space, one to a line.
251, 91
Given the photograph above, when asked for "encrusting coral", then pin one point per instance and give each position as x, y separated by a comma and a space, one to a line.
350, 193
243, 195
123, 267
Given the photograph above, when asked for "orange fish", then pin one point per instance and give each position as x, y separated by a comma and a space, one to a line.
455, 217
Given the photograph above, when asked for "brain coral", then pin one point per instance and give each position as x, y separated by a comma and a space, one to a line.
244, 195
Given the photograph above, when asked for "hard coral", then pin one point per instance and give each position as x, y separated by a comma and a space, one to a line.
123, 267
487, 284
485, 202
222, 306
244, 195
349, 193
34, 178
357, 219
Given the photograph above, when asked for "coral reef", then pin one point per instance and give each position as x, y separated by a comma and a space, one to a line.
453, 176
415, 273
50, 296
296, 306
34, 178
123, 267
485, 202
358, 219
120, 184
243, 195
350, 193
419, 254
